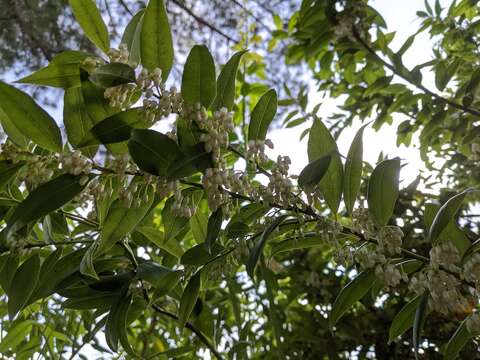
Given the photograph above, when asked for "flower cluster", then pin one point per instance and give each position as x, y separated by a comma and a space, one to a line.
256, 150
183, 206
120, 55
120, 96
445, 255
213, 182
390, 239
471, 269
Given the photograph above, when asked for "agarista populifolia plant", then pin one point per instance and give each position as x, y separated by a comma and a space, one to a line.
154, 225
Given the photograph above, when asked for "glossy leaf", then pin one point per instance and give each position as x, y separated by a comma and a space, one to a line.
189, 299
152, 151
158, 239
321, 143
122, 220
311, 174
459, 339
260, 244
45, 199
404, 319
350, 294
114, 129
25, 280
383, 190
90, 19
420, 316
115, 328
198, 81
157, 275
199, 255
262, 115
113, 74
189, 162
56, 75
75, 116
14, 135
226, 83
213, 227
86, 265
445, 215
155, 39
131, 36
30, 119
353, 171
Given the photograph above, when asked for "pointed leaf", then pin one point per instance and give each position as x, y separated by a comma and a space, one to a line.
198, 81
458, 340
189, 162
258, 248
156, 40
131, 37
213, 228
75, 116
113, 74
321, 143
24, 282
420, 316
445, 215
404, 319
86, 265
350, 294
90, 19
152, 151
189, 299
353, 171
383, 190
262, 115
226, 83
56, 75
314, 172
30, 119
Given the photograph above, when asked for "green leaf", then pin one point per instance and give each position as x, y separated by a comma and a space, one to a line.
260, 244
172, 223
383, 190
90, 19
350, 294
321, 143
157, 274
25, 280
199, 255
116, 326
29, 118
113, 74
189, 298
304, 243
190, 161
198, 81
122, 220
198, 224
156, 40
45, 199
131, 36
445, 215
56, 75
262, 115
16, 334
8, 271
420, 316
114, 129
100, 300
311, 174
404, 319
156, 237
12, 131
353, 171
75, 116
226, 83
213, 228
152, 151
458, 340
86, 265
8, 170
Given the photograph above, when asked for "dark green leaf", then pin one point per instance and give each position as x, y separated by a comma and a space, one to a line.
445, 215
458, 340
213, 228
191, 160
383, 190
156, 40
353, 171
25, 280
189, 298
45, 199
113, 74
260, 244
350, 294
90, 20
8, 271
404, 319
75, 116
321, 143
131, 36
86, 265
311, 174
30, 119
199, 255
262, 115
152, 151
8, 170
198, 81
420, 316
226, 83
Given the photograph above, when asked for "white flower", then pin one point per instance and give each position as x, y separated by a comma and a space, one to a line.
446, 255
